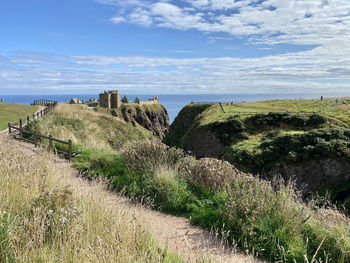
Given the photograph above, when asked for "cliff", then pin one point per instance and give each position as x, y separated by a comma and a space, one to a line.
153, 117
310, 143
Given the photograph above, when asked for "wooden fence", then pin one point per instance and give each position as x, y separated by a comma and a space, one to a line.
44, 102
36, 137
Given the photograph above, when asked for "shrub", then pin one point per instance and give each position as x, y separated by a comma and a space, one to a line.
146, 156
226, 130
316, 120
211, 173
264, 218
278, 119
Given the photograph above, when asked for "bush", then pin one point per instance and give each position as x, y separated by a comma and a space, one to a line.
226, 130
316, 120
210, 173
264, 220
146, 156
292, 148
278, 119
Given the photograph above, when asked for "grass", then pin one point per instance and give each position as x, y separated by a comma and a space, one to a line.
268, 219
274, 225
13, 112
247, 126
42, 219
88, 127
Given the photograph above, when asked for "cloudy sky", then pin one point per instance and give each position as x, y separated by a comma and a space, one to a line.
175, 46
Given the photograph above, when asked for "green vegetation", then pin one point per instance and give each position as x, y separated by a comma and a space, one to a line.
183, 122
275, 225
44, 220
13, 112
89, 127
258, 136
268, 219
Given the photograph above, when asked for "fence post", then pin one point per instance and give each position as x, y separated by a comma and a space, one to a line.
9, 125
41, 112
35, 139
21, 132
20, 123
70, 150
33, 117
50, 142
27, 119
37, 115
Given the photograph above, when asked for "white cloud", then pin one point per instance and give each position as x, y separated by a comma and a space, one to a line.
306, 22
118, 19
318, 70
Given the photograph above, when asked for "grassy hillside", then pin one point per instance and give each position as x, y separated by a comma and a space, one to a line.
258, 136
44, 220
10, 112
268, 219
303, 140
89, 127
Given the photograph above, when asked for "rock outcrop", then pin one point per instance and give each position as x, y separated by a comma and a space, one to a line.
154, 118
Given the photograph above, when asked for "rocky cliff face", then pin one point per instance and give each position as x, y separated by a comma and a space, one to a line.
309, 176
154, 118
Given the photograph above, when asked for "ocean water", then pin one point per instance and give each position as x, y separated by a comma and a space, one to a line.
173, 103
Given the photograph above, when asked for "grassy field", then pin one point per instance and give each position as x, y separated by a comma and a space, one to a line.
13, 112
328, 107
267, 219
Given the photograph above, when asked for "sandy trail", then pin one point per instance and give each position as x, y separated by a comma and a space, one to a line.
177, 234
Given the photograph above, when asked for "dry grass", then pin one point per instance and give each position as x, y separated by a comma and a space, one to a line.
89, 128
149, 155
211, 173
43, 220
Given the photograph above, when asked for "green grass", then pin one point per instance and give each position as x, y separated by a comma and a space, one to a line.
275, 225
10, 112
246, 126
267, 219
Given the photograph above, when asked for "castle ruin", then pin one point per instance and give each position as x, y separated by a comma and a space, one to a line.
154, 100
111, 99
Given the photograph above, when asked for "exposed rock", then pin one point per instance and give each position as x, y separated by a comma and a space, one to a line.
203, 143
155, 120
312, 174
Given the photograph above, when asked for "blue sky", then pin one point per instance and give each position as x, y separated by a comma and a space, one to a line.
175, 46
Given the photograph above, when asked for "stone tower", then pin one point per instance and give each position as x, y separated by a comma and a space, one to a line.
115, 99
110, 99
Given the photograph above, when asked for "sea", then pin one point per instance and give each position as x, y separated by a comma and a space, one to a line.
173, 103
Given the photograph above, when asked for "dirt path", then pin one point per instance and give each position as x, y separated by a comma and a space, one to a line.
192, 243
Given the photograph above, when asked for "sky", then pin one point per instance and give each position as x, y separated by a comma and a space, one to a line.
174, 46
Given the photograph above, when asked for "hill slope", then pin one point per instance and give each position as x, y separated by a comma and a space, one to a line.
89, 127
306, 139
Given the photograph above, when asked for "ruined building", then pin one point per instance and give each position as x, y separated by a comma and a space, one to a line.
110, 99
154, 100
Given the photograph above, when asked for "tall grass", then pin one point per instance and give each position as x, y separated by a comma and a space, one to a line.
268, 219
89, 128
43, 220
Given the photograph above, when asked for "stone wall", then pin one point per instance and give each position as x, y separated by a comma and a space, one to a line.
154, 100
